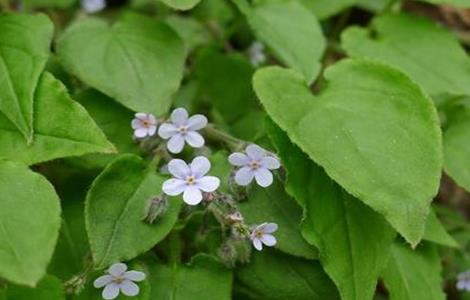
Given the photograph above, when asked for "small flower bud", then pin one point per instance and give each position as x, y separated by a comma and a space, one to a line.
156, 208
235, 217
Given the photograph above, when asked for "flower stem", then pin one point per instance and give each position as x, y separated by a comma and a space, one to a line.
215, 134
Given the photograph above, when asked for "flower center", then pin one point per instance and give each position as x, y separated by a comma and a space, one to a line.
146, 123
118, 279
255, 164
183, 130
190, 180
258, 234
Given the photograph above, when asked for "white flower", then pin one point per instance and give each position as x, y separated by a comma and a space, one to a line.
182, 129
144, 125
261, 234
256, 163
93, 6
463, 281
256, 53
117, 280
190, 180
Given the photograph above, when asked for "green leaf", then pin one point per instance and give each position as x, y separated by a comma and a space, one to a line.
291, 31
272, 204
49, 288
354, 251
24, 49
436, 233
181, 4
62, 128
423, 50
456, 140
205, 278
326, 8
114, 120
115, 208
49, 3
192, 32
231, 92
457, 3
274, 276
29, 223
371, 129
138, 61
414, 275
72, 249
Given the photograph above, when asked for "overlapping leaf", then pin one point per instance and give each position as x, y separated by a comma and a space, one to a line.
366, 128
62, 128
115, 209
181, 4
137, 61
24, 49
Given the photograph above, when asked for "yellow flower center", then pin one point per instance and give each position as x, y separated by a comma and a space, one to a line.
190, 180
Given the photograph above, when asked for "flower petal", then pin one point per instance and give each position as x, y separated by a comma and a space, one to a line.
136, 123
200, 166
141, 132
269, 240
129, 288
255, 151
176, 143
151, 130
244, 176
178, 168
117, 269
194, 139
179, 116
208, 183
141, 116
270, 162
270, 227
111, 291
151, 118
238, 159
257, 244
263, 177
167, 130
192, 195
196, 122
174, 186
102, 281
134, 275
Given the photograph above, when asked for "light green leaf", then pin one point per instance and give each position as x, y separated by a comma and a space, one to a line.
353, 240
204, 279
49, 288
436, 233
326, 8
272, 204
371, 129
62, 128
115, 208
24, 49
49, 3
29, 223
456, 140
192, 32
181, 4
414, 275
230, 92
423, 50
274, 276
291, 31
138, 61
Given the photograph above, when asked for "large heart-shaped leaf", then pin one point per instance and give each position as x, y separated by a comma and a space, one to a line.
29, 223
354, 241
371, 129
115, 208
24, 49
423, 50
290, 30
62, 128
138, 61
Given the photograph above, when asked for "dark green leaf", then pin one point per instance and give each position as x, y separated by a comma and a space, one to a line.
49, 288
